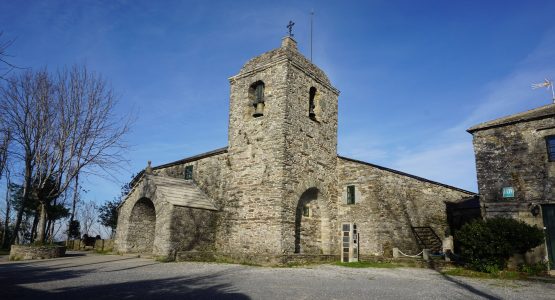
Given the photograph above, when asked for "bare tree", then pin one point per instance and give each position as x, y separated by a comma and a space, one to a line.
62, 126
23, 109
8, 212
5, 137
88, 215
5, 66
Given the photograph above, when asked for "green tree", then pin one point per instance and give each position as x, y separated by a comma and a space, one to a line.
74, 230
109, 215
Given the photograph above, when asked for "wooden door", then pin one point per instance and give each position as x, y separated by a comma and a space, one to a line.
549, 223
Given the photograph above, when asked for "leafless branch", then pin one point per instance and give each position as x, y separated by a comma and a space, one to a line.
62, 125
5, 65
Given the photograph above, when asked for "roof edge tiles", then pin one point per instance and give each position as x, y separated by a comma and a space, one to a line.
539, 113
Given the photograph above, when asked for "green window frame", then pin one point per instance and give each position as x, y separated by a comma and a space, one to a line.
550, 142
351, 198
188, 172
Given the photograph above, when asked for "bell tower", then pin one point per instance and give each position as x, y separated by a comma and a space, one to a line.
282, 142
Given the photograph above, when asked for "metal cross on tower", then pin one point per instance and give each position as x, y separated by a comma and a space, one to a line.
290, 27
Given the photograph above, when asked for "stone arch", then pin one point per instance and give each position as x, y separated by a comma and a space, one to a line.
311, 223
142, 227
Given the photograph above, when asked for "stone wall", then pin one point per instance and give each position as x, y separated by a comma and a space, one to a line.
276, 157
99, 245
24, 252
193, 229
142, 223
388, 203
311, 157
175, 228
515, 156
256, 156
209, 173
144, 194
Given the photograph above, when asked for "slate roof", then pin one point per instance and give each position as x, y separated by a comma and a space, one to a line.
530, 115
181, 192
179, 162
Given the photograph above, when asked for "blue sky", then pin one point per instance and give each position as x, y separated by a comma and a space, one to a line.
413, 75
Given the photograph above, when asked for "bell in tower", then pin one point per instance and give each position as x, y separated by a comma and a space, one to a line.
258, 99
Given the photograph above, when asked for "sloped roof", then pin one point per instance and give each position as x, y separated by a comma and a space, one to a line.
181, 192
530, 115
406, 175
179, 162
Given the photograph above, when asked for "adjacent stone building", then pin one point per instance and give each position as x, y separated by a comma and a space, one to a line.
279, 190
515, 162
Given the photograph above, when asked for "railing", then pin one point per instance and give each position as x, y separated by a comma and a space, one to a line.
427, 238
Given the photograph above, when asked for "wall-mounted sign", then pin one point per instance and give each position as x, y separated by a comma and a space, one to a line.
508, 192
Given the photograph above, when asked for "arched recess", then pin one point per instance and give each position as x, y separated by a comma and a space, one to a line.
142, 226
311, 221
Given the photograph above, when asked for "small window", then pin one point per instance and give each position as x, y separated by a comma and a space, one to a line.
189, 172
312, 103
306, 211
550, 140
351, 194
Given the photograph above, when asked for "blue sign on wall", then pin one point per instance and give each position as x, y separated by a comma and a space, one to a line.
508, 192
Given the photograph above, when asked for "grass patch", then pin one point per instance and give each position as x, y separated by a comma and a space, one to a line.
103, 252
368, 264
164, 259
4, 251
458, 271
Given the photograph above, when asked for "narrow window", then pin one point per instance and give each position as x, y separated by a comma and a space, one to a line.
550, 140
256, 93
351, 194
188, 172
306, 211
311, 103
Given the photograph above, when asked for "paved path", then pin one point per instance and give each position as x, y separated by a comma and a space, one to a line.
82, 277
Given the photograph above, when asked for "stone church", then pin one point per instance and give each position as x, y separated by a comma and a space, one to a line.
279, 190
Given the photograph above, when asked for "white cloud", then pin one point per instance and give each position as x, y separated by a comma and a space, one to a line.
448, 157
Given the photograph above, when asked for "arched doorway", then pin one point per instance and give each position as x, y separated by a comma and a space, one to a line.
142, 225
310, 218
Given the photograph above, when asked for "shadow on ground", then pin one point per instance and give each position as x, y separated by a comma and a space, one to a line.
460, 284
169, 288
16, 283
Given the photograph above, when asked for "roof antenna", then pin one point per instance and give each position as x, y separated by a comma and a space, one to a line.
311, 26
547, 83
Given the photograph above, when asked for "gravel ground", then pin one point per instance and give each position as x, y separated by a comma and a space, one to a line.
124, 277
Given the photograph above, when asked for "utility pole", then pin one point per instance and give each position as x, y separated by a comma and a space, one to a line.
311, 31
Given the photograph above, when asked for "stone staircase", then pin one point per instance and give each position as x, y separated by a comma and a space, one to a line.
427, 238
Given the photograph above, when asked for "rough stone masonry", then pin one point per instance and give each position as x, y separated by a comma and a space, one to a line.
278, 189
513, 153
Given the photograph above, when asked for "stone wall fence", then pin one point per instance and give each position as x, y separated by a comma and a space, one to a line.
99, 245
27, 252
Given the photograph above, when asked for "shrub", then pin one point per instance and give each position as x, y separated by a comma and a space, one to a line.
487, 245
539, 268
